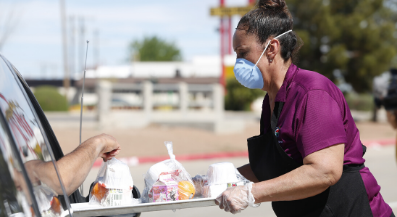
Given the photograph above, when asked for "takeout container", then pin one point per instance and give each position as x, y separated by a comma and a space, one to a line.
221, 173
220, 176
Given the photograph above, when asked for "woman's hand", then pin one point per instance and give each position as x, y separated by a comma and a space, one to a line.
235, 199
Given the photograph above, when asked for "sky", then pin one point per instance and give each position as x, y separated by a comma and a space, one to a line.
35, 45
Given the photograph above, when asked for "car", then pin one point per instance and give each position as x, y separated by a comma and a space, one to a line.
26, 136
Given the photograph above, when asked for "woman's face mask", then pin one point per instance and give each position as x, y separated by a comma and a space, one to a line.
248, 73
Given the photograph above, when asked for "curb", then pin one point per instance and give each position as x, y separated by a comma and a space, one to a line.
135, 161
378, 143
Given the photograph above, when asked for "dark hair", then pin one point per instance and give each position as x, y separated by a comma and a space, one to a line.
272, 18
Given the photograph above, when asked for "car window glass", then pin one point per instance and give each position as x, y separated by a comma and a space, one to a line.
31, 143
15, 198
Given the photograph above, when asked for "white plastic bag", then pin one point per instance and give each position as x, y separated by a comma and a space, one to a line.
168, 181
47, 201
113, 185
199, 182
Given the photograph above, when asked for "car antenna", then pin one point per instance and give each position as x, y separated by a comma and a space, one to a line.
81, 105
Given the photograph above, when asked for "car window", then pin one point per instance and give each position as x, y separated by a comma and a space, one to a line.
32, 144
15, 196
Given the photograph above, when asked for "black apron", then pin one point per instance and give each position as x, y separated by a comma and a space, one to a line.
268, 160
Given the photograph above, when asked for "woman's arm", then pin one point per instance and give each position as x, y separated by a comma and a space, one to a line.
321, 170
74, 167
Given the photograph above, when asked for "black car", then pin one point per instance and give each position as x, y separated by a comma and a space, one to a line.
26, 136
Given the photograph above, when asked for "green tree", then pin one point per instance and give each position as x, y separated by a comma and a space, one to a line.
357, 37
238, 97
50, 100
154, 49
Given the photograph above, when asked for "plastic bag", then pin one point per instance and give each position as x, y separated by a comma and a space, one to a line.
220, 176
113, 185
168, 181
199, 182
47, 201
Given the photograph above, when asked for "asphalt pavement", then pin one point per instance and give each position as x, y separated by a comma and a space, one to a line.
380, 160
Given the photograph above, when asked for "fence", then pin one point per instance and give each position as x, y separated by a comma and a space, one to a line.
191, 105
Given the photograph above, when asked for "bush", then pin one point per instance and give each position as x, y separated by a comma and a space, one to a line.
238, 97
50, 100
360, 102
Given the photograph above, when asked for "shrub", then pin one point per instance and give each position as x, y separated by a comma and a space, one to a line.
50, 99
238, 97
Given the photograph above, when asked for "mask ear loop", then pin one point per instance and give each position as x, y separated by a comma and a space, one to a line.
262, 53
269, 44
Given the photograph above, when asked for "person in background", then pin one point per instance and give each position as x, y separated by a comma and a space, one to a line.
385, 93
308, 159
392, 119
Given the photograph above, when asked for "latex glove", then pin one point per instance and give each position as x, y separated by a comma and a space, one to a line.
235, 199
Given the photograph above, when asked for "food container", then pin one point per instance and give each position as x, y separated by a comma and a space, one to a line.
221, 173
113, 185
165, 189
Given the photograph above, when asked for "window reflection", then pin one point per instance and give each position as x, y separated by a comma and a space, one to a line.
15, 199
30, 142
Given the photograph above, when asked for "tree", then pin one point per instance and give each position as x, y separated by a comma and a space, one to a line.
238, 97
357, 37
50, 99
154, 49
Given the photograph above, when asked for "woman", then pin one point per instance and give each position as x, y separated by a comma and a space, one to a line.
308, 158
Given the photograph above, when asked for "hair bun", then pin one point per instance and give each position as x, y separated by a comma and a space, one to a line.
272, 4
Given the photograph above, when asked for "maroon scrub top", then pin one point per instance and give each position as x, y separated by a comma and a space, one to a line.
315, 116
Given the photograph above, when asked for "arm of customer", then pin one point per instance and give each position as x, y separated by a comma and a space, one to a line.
74, 167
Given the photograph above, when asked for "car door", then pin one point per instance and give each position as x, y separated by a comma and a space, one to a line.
16, 193
31, 143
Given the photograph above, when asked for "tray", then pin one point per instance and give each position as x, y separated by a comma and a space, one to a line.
84, 209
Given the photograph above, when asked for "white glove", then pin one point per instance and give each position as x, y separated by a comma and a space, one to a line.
235, 199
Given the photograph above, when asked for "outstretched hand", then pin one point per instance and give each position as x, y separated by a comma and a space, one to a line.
109, 146
235, 199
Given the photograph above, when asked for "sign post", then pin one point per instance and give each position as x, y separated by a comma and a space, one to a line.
225, 30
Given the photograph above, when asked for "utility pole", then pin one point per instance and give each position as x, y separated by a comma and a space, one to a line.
81, 43
72, 50
96, 48
66, 79
222, 33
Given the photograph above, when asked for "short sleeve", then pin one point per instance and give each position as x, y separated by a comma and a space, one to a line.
319, 123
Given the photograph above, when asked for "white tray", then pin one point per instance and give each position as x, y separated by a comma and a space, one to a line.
84, 209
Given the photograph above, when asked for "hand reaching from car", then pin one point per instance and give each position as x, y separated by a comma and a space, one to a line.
107, 144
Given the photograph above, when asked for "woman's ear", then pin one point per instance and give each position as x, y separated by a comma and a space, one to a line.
272, 50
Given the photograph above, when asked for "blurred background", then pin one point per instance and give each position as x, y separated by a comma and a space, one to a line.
163, 70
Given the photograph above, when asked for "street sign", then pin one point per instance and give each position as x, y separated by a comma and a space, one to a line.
231, 11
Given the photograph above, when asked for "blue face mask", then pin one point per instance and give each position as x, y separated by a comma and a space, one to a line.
248, 74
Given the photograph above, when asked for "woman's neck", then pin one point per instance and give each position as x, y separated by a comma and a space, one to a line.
277, 78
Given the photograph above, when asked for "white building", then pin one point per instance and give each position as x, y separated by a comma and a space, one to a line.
199, 67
